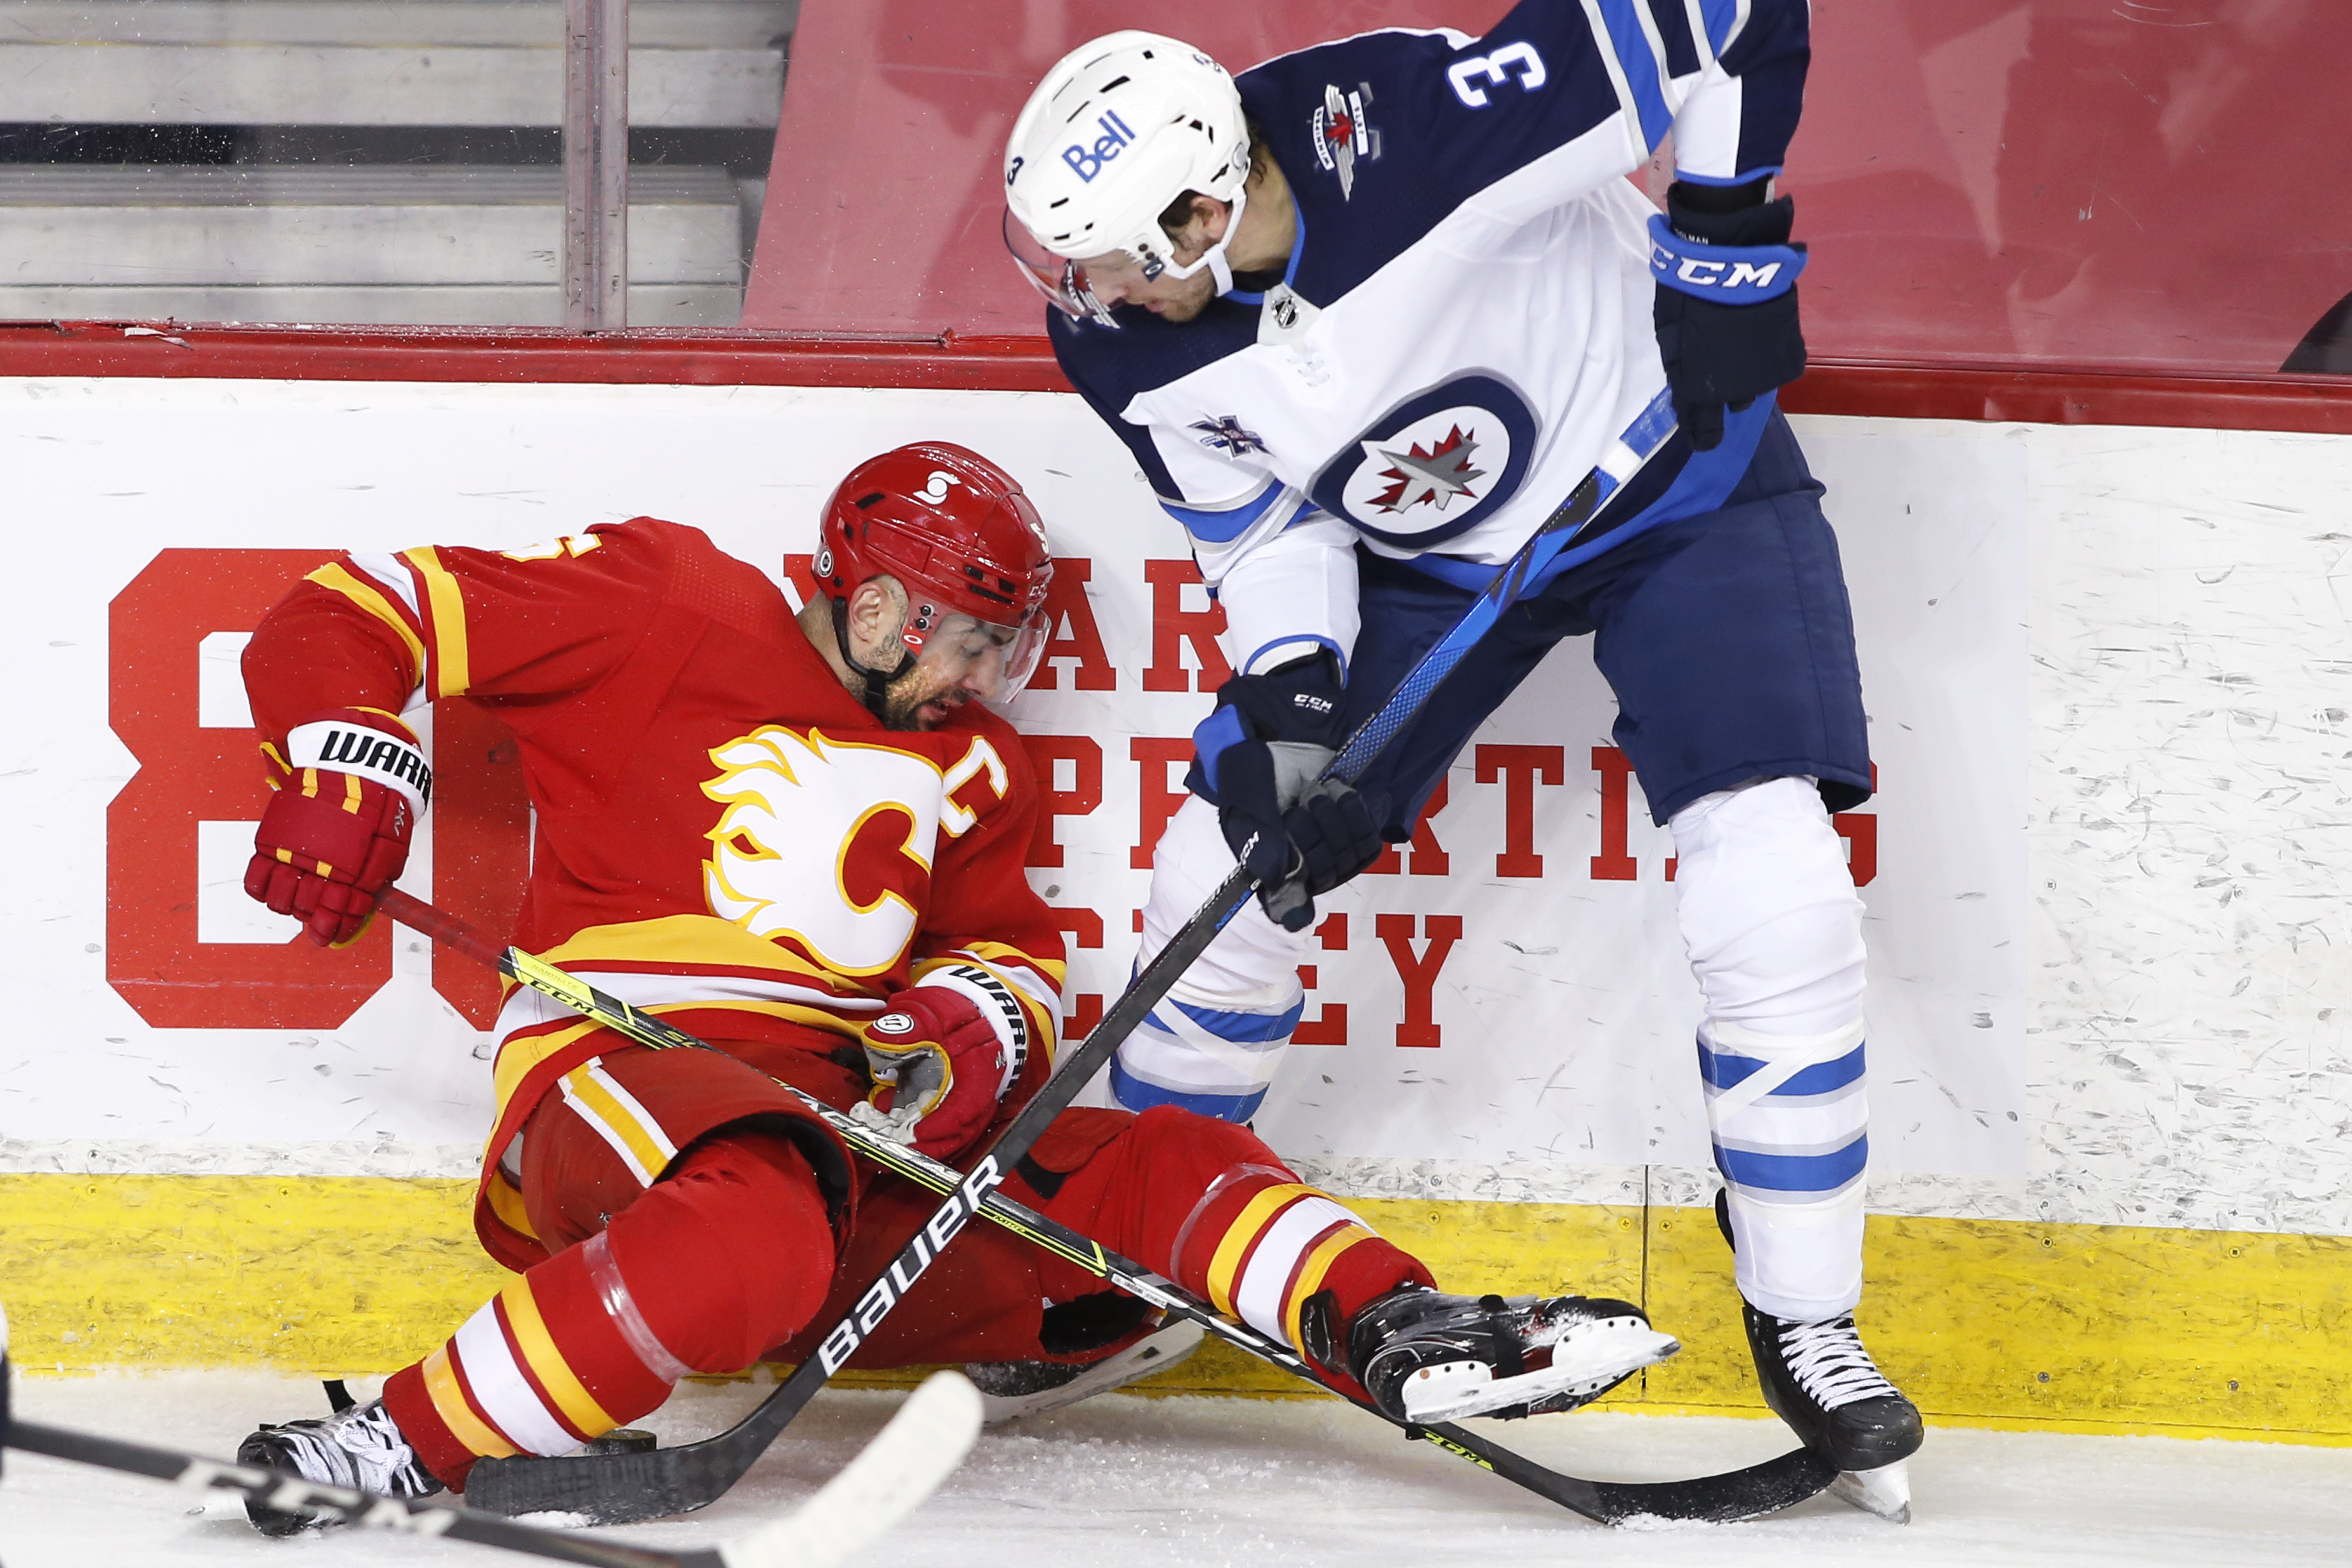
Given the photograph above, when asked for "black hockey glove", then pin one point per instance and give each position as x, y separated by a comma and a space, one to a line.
1257, 759
1726, 303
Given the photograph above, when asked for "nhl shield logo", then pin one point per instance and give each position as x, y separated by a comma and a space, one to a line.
1433, 467
1342, 134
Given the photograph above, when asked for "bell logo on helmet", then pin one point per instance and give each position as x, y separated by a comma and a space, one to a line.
1116, 137
936, 490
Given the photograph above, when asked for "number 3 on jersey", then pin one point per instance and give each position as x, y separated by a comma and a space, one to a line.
830, 842
1499, 68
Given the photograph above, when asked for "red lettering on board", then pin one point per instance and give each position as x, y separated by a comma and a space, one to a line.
1172, 626
1520, 769
1045, 752
1068, 605
1420, 975
1330, 1025
1155, 802
187, 774
1428, 858
1614, 863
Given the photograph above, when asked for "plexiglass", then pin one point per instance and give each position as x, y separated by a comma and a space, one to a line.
2096, 183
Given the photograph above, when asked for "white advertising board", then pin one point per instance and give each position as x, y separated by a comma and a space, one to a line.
1513, 991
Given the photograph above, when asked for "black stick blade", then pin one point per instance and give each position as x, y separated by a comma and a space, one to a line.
1728, 1499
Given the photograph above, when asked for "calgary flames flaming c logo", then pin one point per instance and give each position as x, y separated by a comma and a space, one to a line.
826, 843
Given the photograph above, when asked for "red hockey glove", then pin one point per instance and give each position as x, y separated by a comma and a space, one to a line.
944, 1054
336, 832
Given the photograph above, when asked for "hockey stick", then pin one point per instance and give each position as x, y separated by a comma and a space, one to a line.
922, 1445
1722, 1499
679, 1480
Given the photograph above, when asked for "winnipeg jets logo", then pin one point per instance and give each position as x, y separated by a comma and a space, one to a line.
1435, 466
1223, 433
1342, 136
1432, 477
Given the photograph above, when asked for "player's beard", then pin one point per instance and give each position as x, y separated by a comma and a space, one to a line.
903, 700
1195, 292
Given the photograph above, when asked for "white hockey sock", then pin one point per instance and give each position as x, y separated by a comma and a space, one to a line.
1774, 928
1213, 1044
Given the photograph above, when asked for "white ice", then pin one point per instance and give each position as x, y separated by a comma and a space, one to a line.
1197, 1483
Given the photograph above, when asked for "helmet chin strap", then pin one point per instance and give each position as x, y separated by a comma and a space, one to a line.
1221, 270
877, 684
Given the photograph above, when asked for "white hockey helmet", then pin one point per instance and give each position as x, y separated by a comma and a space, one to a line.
1118, 129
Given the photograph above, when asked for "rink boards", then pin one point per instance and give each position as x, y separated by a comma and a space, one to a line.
2103, 668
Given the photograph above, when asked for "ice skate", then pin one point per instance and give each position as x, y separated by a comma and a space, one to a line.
1010, 1390
359, 1448
1818, 1379
1424, 1356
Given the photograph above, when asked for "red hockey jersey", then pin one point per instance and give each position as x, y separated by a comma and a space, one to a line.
724, 836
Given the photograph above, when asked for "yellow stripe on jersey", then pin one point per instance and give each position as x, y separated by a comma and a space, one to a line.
458, 1413
368, 597
688, 939
453, 672
555, 1374
591, 1092
506, 1202
1259, 1212
1311, 1277
517, 1057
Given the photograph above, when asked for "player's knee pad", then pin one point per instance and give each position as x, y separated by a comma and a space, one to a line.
1185, 1151
728, 1256
1768, 909
1212, 1044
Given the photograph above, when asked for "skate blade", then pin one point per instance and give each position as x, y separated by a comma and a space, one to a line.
1884, 1491
1587, 1362
1154, 1353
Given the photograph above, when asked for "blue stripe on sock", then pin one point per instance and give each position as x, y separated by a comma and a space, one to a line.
1133, 1094
1822, 1173
1723, 1069
1245, 1029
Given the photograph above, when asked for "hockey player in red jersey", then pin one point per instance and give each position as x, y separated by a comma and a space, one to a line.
801, 838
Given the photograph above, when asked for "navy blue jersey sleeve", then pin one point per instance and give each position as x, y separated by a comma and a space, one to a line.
1739, 110
1585, 88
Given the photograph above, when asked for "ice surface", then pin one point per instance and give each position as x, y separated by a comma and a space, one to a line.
1197, 1483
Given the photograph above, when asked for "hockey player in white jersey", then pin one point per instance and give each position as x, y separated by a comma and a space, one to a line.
1366, 316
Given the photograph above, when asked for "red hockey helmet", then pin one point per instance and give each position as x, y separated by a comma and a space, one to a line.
959, 536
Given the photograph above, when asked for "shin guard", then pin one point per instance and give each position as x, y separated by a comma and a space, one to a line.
727, 1256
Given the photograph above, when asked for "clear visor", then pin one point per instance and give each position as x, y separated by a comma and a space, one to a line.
1067, 286
1060, 279
987, 658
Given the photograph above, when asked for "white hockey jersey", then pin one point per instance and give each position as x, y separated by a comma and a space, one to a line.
1464, 327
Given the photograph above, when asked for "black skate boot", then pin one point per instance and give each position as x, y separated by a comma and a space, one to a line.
1818, 1379
1426, 1357
359, 1448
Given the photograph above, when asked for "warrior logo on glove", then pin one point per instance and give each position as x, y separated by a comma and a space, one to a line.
347, 791
942, 1057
